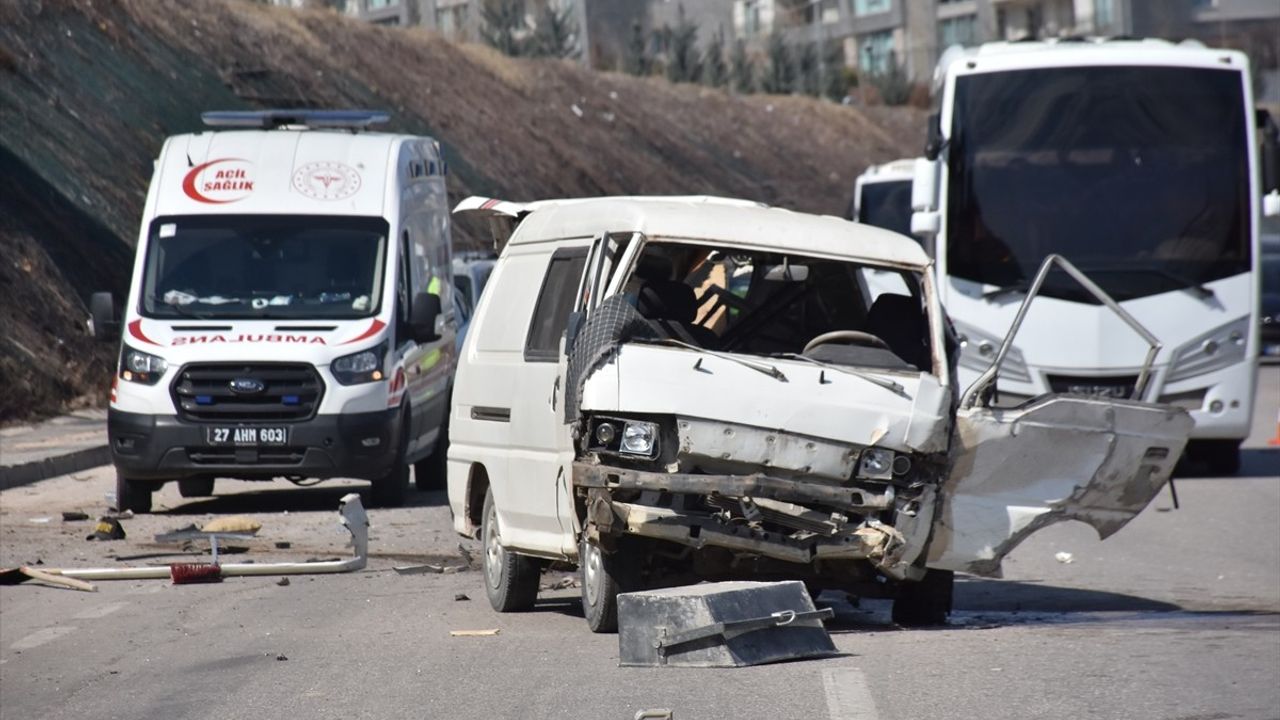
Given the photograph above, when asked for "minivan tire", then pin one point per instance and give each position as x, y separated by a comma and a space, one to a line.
431, 472
925, 602
133, 495
604, 577
510, 579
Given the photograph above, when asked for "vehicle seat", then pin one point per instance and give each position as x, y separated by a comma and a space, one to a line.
671, 307
898, 321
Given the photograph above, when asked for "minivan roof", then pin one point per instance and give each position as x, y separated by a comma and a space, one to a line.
735, 222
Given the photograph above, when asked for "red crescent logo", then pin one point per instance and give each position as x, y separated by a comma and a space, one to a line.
374, 328
135, 329
189, 182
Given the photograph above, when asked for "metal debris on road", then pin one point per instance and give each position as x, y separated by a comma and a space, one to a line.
74, 515
460, 596
474, 633
1065, 558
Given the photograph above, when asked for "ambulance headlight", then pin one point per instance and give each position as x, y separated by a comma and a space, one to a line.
361, 367
139, 367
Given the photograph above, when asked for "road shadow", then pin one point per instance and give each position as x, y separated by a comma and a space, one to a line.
978, 595
318, 498
1254, 463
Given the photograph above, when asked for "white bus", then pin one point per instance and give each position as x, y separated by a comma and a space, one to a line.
882, 196
1134, 159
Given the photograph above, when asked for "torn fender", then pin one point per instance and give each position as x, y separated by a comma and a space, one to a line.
1057, 458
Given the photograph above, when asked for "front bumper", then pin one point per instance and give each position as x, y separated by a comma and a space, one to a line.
163, 447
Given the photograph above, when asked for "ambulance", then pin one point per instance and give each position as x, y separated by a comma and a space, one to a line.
289, 313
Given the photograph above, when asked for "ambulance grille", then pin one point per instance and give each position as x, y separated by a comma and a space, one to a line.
203, 392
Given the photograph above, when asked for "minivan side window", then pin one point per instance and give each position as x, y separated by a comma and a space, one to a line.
555, 301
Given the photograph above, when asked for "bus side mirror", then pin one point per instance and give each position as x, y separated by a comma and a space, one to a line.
423, 315
1270, 154
935, 143
102, 316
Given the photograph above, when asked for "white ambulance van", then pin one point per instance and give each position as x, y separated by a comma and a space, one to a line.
289, 311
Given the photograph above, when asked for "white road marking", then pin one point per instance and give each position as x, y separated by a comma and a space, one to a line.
40, 637
847, 695
99, 611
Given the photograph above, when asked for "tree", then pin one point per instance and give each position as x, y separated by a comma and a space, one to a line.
556, 34
892, 82
503, 24
714, 70
836, 82
809, 70
741, 69
683, 63
780, 75
637, 60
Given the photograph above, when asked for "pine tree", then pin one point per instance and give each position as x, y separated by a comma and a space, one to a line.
637, 60
555, 35
741, 69
714, 70
809, 70
780, 76
836, 82
683, 63
501, 26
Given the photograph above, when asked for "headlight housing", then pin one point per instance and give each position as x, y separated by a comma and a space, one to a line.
362, 367
139, 367
876, 463
1221, 347
635, 438
978, 349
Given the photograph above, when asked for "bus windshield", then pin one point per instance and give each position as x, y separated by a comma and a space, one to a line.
264, 266
886, 205
1138, 175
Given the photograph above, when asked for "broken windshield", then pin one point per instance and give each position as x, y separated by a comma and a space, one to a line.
774, 304
264, 266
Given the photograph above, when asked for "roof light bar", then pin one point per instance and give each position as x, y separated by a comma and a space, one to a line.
269, 119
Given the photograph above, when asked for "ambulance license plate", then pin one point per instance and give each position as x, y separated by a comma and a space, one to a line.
245, 436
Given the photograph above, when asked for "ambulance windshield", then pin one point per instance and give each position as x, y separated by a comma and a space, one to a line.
264, 266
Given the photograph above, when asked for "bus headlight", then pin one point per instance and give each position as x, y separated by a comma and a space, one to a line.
139, 367
1221, 347
978, 349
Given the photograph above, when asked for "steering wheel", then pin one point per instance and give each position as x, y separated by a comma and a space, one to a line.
856, 337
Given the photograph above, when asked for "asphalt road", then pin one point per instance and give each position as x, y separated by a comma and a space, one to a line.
1175, 618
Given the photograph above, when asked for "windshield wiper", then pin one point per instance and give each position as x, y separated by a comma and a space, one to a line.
185, 311
1204, 292
1019, 287
769, 370
894, 387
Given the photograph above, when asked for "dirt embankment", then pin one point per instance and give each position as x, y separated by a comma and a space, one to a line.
88, 90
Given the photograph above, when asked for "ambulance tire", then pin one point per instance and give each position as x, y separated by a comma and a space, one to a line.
133, 495
390, 489
195, 487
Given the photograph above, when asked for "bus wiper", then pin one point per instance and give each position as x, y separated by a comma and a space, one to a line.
1019, 287
1202, 291
894, 387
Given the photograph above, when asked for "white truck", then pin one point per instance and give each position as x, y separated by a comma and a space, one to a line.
289, 312
671, 389
1134, 159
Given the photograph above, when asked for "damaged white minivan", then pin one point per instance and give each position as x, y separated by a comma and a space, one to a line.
668, 390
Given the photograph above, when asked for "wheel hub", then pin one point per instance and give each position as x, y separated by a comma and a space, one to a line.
591, 569
493, 552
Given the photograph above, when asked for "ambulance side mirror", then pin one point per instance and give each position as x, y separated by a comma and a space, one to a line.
422, 317
102, 316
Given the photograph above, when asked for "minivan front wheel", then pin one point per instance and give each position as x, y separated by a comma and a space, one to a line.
510, 579
604, 577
